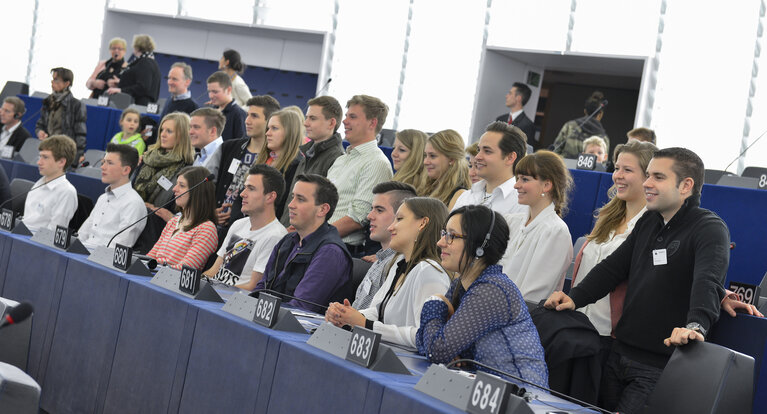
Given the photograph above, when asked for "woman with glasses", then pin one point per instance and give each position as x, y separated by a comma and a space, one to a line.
107, 69
483, 317
413, 275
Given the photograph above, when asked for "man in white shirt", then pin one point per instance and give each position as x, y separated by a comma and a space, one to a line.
243, 255
500, 147
119, 206
205, 128
357, 171
54, 201
13, 132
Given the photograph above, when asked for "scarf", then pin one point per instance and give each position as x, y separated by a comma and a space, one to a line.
157, 162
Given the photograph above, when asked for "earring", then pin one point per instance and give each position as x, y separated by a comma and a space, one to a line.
543, 194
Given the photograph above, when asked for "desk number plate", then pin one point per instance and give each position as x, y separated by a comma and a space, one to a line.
267, 309
363, 346
122, 257
189, 280
489, 395
61, 237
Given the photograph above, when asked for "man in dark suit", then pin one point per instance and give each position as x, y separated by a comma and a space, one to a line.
13, 132
516, 100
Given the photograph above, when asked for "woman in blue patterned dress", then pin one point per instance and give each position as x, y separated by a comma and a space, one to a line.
483, 317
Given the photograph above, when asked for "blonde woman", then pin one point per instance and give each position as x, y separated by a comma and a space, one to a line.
407, 157
284, 133
446, 167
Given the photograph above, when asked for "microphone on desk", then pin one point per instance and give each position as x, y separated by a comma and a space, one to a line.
16, 314
522, 392
255, 293
27, 192
745, 150
204, 180
151, 262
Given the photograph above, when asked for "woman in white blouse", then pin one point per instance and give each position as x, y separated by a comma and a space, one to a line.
231, 63
614, 224
413, 275
540, 247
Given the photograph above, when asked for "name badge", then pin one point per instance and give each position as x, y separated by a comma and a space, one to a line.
6, 152
659, 257
234, 166
165, 183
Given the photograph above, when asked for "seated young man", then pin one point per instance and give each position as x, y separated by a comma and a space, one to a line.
55, 201
119, 206
311, 263
250, 240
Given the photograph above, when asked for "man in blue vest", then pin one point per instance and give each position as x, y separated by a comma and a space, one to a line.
312, 263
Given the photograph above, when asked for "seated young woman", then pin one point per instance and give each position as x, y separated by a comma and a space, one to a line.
413, 275
191, 237
407, 157
483, 317
284, 134
447, 171
614, 224
540, 247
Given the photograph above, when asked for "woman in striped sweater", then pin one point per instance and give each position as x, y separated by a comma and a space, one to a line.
189, 238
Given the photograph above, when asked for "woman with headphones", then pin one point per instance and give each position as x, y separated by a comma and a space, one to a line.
483, 317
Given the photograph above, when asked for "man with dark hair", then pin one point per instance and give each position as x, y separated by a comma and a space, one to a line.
516, 99
62, 113
323, 117
569, 141
234, 157
246, 249
311, 263
205, 126
500, 148
641, 134
119, 206
356, 172
674, 261
387, 197
13, 132
220, 94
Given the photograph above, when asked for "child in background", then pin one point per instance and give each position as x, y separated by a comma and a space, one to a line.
130, 135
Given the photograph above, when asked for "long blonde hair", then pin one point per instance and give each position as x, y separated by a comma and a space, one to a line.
450, 144
411, 170
612, 214
183, 147
293, 127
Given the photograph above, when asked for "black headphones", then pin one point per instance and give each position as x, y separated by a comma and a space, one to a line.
481, 249
17, 115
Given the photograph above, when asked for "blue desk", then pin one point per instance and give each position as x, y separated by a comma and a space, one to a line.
107, 342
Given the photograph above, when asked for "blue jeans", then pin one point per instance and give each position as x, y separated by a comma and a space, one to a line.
627, 384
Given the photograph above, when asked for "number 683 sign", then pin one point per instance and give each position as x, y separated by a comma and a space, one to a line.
363, 346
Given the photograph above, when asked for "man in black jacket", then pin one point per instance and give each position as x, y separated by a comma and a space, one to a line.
233, 159
516, 100
13, 132
322, 121
675, 261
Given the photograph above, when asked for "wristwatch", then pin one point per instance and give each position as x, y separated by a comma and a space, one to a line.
695, 326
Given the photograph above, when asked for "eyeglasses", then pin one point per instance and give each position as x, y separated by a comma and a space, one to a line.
450, 236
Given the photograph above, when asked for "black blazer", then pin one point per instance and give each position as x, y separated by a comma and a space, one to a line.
522, 122
18, 137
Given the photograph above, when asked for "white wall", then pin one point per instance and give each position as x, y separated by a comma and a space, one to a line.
277, 49
497, 74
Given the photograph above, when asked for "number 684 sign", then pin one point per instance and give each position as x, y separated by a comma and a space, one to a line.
489, 395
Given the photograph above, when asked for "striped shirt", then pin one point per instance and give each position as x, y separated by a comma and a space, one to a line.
191, 248
355, 174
